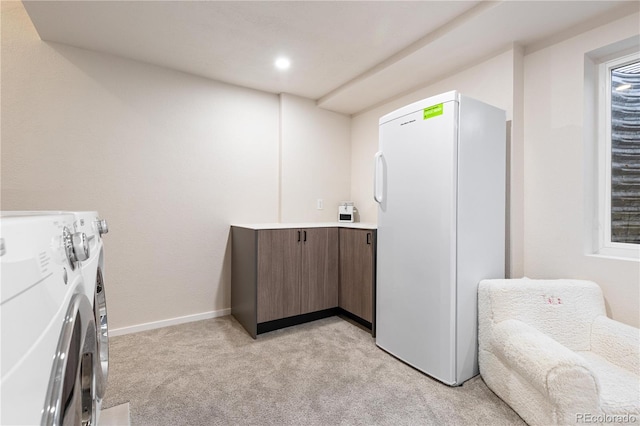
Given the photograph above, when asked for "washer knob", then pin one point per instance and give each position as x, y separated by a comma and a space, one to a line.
102, 226
75, 246
80, 246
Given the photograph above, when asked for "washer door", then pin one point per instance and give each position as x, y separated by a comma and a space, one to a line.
102, 329
71, 395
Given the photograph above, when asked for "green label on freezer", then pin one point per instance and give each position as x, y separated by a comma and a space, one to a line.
433, 111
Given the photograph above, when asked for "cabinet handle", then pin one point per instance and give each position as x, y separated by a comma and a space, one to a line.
368, 237
305, 236
298, 236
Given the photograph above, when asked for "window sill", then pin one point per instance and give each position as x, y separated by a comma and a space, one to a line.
630, 255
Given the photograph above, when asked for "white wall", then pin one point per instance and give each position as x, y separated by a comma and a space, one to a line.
169, 159
555, 135
316, 160
493, 81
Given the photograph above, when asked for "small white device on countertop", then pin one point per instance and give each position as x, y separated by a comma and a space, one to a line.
345, 211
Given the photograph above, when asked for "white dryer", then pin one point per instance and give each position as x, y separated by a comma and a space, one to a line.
89, 223
51, 370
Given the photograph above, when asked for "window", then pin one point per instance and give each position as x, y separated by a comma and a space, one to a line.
625, 153
620, 152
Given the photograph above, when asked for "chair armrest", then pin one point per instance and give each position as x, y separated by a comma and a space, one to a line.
546, 364
618, 343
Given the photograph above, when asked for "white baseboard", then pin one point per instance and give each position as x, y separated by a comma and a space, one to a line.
168, 322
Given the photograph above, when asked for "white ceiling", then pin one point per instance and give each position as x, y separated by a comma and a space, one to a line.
346, 55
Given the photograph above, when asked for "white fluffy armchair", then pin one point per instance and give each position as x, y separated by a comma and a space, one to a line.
547, 348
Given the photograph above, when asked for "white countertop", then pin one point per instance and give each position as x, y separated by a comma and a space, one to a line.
258, 226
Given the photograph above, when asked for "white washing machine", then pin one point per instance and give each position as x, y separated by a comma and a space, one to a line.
94, 228
51, 371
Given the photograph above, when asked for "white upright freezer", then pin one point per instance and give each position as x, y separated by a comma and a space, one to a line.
440, 186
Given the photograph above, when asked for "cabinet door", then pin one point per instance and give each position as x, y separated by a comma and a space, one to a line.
356, 272
278, 274
319, 283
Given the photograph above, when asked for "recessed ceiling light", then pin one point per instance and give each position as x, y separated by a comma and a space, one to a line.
283, 63
623, 87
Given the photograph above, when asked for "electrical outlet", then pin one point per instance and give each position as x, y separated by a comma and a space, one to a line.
320, 204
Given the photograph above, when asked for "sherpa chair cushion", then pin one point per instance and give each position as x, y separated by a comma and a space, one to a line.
547, 348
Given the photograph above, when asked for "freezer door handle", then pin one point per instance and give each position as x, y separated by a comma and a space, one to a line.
377, 178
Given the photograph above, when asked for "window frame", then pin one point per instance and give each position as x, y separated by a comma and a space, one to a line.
605, 246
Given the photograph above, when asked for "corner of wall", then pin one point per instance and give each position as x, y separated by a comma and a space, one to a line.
315, 160
515, 261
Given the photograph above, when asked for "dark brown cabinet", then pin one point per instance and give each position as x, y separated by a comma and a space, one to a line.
279, 270
282, 273
319, 275
357, 263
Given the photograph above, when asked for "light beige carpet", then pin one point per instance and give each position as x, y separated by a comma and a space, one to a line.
328, 372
